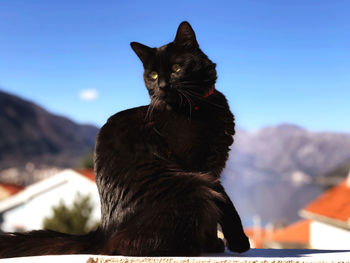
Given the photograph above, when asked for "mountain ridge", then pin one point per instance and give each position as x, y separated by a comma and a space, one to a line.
29, 133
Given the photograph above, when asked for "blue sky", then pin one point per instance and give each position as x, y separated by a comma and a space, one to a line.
277, 61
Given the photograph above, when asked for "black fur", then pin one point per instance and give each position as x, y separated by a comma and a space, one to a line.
158, 166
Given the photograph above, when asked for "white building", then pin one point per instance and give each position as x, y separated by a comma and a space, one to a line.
27, 209
330, 218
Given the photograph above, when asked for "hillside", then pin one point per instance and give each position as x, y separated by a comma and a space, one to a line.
29, 133
335, 175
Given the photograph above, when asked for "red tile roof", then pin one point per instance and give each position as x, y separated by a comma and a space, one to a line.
298, 232
88, 173
334, 203
256, 235
11, 189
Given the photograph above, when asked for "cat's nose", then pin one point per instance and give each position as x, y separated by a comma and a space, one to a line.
162, 84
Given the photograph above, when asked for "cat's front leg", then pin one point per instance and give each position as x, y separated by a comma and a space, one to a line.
213, 244
231, 223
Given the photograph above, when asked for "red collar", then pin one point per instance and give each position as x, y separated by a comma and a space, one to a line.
210, 92
206, 95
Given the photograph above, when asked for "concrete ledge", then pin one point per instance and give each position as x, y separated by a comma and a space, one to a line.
252, 256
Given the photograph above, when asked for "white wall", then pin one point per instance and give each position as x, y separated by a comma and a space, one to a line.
30, 215
324, 236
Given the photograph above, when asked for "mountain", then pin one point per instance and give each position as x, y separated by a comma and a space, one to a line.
28, 133
335, 175
273, 172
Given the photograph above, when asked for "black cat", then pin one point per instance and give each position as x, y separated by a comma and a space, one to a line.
158, 166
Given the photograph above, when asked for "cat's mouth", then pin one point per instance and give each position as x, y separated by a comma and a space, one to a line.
162, 97
161, 102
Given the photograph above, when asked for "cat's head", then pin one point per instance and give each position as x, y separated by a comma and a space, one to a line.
178, 73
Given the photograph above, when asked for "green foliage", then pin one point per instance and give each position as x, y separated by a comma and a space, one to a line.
72, 220
87, 162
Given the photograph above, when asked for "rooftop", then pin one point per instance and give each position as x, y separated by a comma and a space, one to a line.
88, 173
332, 206
7, 190
297, 235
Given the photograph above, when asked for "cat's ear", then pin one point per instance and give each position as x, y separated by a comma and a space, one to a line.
185, 36
142, 51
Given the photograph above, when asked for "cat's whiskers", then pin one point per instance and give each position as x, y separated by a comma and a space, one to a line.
147, 115
196, 81
151, 107
188, 100
181, 99
200, 97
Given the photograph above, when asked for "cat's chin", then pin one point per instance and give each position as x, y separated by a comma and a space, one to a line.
161, 105
166, 107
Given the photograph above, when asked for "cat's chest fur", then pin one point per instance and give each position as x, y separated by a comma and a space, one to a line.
181, 133
192, 142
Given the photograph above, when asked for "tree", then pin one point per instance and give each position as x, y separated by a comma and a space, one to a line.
72, 220
87, 161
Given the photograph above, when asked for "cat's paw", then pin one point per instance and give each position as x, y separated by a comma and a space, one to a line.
239, 245
215, 246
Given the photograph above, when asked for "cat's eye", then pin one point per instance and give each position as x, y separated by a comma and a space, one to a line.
176, 68
153, 75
